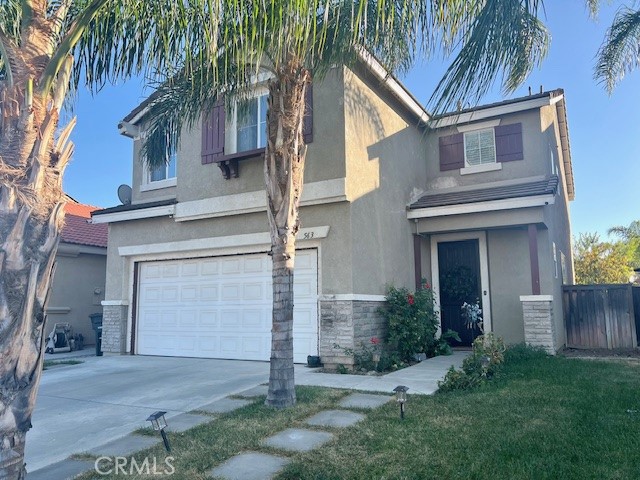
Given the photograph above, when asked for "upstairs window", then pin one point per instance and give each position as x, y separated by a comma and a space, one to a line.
481, 150
228, 137
251, 125
164, 175
479, 147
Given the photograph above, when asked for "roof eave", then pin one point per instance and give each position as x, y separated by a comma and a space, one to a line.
563, 127
498, 109
394, 86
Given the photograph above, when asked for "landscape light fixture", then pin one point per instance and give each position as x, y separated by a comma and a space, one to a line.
159, 424
401, 398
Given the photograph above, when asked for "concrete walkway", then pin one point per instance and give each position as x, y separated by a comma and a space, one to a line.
83, 407
421, 378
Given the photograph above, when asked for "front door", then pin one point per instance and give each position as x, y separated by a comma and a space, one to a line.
460, 282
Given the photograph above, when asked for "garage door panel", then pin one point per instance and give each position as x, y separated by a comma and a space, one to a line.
253, 291
208, 345
208, 293
188, 319
169, 294
171, 271
254, 265
230, 320
208, 320
221, 307
150, 295
210, 267
230, 345
253, 320
187, 344
188, 293
230, 292
189, 269
231, 265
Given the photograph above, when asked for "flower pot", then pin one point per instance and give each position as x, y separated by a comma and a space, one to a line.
313, 361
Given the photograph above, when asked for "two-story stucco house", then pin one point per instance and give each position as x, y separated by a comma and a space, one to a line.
474, 202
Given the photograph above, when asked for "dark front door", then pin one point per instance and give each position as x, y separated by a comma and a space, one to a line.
459, 276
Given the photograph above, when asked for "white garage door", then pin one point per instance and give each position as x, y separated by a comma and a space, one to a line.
220, 307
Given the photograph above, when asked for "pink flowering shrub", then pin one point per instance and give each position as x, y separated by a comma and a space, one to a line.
412, 321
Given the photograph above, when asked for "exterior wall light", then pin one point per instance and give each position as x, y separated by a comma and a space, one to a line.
401, 397
159, 423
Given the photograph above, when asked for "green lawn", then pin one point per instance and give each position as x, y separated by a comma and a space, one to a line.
543, 418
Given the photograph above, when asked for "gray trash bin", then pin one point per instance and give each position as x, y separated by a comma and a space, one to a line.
96, 323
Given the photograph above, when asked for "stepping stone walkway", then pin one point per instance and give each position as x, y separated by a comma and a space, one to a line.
255, 391
66, 469
124, 446
224, 405
364, 400
250, 466
259, 466
297, 439
335, 418
185, 421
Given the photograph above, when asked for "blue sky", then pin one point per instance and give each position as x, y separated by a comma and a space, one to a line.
602, 128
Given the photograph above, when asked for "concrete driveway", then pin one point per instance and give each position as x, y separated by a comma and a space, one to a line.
83, 406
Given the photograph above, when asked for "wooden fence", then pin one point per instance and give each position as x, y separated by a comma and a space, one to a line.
601, 316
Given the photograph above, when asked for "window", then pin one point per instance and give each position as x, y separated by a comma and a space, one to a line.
252, 125
164, 173
246, 128
479, 147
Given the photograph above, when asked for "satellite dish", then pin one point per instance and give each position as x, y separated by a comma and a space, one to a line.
124, 194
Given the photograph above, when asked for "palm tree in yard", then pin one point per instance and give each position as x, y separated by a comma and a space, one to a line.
44, 45
291, 43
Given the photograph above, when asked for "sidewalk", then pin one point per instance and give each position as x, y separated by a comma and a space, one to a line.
421, 378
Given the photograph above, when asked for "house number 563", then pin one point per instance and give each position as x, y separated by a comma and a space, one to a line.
307, 235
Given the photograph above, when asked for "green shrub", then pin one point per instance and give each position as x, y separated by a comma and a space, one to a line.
412, 321
441, 346
522, 353
458, 380
484, 361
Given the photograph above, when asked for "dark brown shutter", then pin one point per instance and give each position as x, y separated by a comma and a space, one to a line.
213, 133
509, 143
451, 152
307, 121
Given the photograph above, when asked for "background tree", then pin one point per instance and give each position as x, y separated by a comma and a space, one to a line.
601, 262
631, 236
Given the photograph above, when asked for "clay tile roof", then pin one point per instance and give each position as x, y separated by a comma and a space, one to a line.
77, 228
548, 186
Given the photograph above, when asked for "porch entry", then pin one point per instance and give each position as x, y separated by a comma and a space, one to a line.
460, 275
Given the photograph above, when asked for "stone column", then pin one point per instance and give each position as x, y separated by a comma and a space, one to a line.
539, 326
114, 328
348, 324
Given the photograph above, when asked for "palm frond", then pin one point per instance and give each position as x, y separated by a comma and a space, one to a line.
620, 51
505, 37
594, 7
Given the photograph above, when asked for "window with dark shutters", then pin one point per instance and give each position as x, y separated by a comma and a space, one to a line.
213, 133
213, 137
509, 143
451, 152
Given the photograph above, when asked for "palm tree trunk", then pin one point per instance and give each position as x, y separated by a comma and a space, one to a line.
284, 172
32, 162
